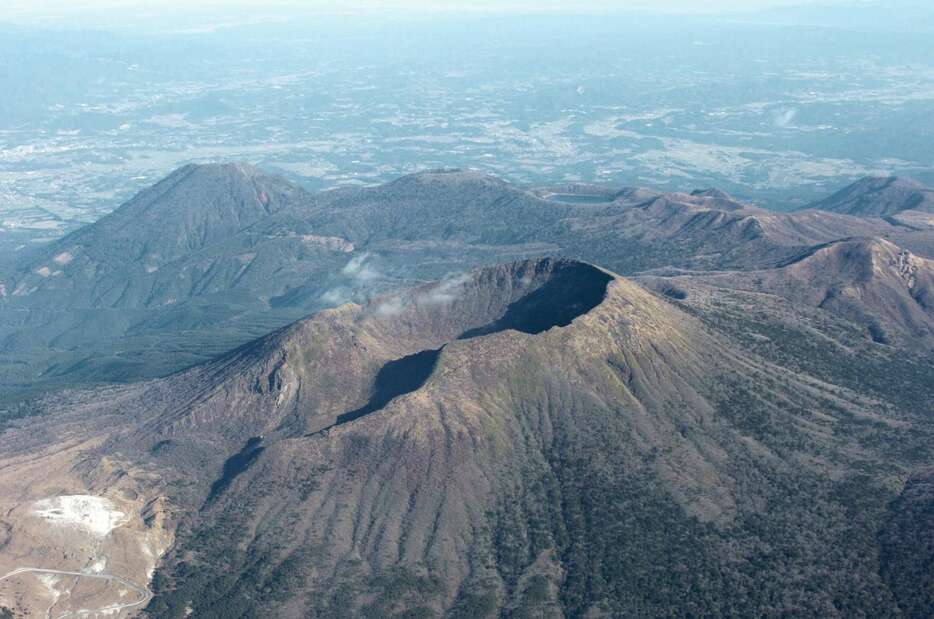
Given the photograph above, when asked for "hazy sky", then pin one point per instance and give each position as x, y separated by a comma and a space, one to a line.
195, 15
48, 8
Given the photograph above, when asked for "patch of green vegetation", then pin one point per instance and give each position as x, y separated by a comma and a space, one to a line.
211, 585
844, 357
19, 406
474, 605
400, 592
907, 541
537, 590
897, 384
799, 542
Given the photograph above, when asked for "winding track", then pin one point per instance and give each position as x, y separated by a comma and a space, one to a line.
144, 593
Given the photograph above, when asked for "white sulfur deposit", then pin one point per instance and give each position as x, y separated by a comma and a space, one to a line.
51, 584
96, 515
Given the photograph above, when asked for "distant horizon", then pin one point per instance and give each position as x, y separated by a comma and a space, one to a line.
27, 11
781, 107
177, 17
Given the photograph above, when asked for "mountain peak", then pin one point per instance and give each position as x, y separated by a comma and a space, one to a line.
879, 196
239, 188
192, 208
869, 281
860, 257
711, 192
449, 176
231, 169
717, 199
411, 326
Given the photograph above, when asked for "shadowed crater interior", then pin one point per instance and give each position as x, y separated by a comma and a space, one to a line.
570, 290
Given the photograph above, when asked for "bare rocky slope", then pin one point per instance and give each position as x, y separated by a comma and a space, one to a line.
873, 283
214, 256
744, 428
540, 438
879, 196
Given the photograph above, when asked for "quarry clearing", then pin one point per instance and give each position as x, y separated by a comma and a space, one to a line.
96, 515
78, 555
142, 594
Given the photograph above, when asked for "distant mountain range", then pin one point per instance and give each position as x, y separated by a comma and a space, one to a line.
439, 398
873, 16
868, 281
878, 197
215, 255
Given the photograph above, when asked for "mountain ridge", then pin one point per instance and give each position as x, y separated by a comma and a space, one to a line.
868, 280
549, 466
72, 313
878, 196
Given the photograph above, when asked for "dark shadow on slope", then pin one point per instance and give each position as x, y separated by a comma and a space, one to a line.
810, 251
235, 465
892, 221
571, 292
396, 378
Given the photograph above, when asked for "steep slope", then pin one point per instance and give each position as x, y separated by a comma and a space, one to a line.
442, 205
212, 229
870, 281
879, 196
716, 198
117, 260
640, 233
174, 276
215, 256
541, 438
